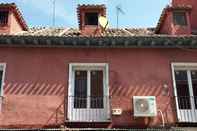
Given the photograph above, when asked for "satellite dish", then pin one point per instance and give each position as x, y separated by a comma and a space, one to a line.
103, 22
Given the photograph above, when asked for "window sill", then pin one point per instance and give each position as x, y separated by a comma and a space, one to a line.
181, 26
101, 121
91, 26
3, 25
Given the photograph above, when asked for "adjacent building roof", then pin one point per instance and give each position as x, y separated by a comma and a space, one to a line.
88, 6
164, 13
72, 32
17, 13
138, 41
110, 38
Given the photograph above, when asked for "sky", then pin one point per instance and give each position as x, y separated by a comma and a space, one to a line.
138, 13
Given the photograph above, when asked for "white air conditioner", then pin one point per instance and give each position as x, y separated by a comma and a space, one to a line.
144, 106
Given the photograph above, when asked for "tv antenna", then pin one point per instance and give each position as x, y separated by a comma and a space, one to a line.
118, 11
53, 18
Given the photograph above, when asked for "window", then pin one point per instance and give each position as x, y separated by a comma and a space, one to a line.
179, 18
88, 85
80, 90
96, 92
88, 97
182, 88
91, 18
2, 72
3, 18
194, 86
185, 86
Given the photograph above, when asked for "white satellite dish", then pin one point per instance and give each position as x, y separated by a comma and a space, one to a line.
103, 22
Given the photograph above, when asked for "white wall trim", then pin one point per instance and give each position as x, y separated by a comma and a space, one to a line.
185, 64
85, 66
188, 67
174, 86
3, 65
88, 64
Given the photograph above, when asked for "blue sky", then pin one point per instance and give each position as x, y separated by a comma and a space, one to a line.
138, 13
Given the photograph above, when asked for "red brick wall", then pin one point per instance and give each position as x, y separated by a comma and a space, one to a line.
37, 80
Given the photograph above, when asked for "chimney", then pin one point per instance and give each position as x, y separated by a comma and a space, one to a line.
11, 20
88, 19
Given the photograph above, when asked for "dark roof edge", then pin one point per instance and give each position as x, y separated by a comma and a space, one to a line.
100, 42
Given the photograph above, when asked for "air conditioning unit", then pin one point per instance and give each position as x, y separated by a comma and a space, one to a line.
144, 106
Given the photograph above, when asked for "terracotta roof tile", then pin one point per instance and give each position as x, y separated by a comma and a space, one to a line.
72, 32
153, 41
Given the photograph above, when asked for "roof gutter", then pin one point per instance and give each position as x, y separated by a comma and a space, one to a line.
100, 42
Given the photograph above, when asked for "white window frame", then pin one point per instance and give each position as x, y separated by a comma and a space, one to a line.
74, 66
181, 113
3, 68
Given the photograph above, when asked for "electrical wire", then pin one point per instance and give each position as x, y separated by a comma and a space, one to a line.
162, 117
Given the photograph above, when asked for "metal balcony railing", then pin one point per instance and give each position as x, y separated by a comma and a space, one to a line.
187, 102
88, 109
1, 102
186, 108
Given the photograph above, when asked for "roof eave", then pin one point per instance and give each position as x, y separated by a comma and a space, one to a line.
100, 42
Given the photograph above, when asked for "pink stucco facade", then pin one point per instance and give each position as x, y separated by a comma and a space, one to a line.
13, 25
36, 83
193, 3
35, 89
168, 26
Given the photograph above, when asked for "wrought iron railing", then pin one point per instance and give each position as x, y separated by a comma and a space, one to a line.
1, 102
93, 109
187, 108
88, 109
187, 102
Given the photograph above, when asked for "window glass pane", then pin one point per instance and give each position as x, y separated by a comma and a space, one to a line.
91, 18
179, 18
194, 85
96, 89
3, 17
80, 90
182, 89
1, 75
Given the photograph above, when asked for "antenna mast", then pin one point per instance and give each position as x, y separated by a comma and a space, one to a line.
118, 11
117, 19
53, 19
